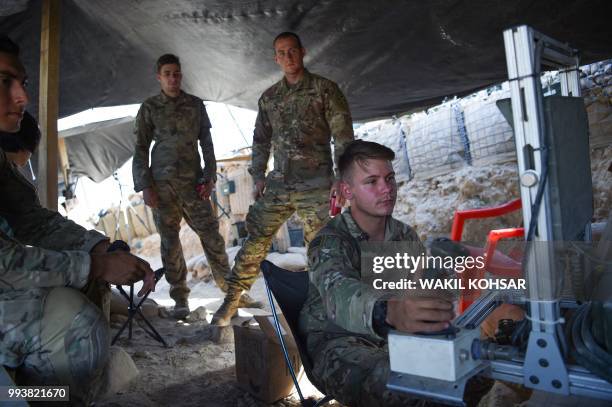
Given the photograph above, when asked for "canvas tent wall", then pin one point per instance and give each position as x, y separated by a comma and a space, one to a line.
388, 56
96, 150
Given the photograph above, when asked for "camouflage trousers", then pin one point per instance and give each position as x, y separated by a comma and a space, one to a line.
177, 201
264, 219
355, 372
65, 341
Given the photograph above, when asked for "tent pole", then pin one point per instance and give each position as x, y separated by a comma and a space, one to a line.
63, 163
49, 102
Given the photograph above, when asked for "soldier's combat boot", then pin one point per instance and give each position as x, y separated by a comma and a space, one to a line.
228, 309
181, 309
246, 301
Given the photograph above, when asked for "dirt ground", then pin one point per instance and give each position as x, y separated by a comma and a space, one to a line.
193, 370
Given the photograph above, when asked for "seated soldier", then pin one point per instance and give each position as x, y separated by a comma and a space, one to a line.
345, 321
50, 333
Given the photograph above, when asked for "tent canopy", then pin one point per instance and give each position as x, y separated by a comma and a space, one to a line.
388, 56
96, 150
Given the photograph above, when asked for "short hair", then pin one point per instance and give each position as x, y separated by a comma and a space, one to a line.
8, 46
165, 60
26, 138
287, 34
361, 150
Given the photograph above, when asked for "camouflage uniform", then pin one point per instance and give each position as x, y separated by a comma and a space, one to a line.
33, 225
297, 123
50, 333
350, 360
176, 125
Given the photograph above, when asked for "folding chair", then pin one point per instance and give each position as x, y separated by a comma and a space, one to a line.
290, 290
135, 308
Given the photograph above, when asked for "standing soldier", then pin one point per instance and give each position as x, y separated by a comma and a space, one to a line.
174, 184
297, 118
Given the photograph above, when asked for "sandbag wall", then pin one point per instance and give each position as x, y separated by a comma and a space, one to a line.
472, 131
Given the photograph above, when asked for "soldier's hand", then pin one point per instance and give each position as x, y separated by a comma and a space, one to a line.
335, 191
258, 189
148, 283
122, 268
419, 314
150, 197
205, 189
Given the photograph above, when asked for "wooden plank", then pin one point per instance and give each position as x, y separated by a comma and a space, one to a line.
232, 159
48, 103
63, 160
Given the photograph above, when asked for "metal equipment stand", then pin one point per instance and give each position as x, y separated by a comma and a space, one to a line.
546, 166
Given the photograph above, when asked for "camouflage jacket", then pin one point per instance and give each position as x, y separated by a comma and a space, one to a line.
176, 125
26, 272
24, 267
297, 123
34, 225
339, 303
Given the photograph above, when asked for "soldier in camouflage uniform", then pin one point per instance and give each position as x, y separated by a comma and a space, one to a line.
174, 184
344, 320
50, 333
297, 118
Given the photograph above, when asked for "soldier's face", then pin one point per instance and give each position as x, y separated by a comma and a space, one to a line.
371, 188
170, 78
13, 96
289, 55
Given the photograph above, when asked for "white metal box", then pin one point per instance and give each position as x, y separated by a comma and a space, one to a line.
436, 357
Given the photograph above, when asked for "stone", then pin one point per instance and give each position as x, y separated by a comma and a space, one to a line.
142, 354
117, 320
118, 373
198, 314
163, 312
119, 305
149, 308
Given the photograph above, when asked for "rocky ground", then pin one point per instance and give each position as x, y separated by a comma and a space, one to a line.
197, 369
193, 371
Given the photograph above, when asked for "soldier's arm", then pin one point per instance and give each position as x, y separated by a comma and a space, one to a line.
143, 129
208, 150
50, 230
339, 119
262, 143
24, 267
38, 226
348, 301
